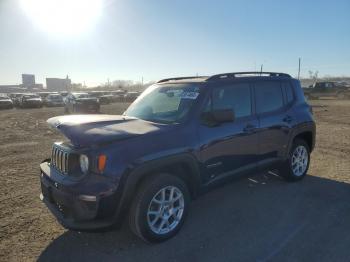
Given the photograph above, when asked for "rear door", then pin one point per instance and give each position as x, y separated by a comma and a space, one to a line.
275, 120
231, 147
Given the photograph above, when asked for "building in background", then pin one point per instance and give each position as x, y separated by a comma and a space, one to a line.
28, 80
58, 84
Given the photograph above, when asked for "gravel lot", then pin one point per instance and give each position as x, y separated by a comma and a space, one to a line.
256, 218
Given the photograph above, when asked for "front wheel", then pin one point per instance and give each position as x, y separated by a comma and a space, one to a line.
159, 208
297, 164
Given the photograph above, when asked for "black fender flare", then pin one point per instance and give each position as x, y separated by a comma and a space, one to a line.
299, 129
133, 175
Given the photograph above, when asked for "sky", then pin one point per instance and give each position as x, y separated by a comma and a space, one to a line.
154, 39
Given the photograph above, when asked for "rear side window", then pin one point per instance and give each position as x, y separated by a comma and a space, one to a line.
268, 96
288, 91
236, 97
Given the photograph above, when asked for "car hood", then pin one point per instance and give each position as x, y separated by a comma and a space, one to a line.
88, 130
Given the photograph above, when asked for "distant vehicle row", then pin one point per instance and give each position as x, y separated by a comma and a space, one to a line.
327, 89
73, 102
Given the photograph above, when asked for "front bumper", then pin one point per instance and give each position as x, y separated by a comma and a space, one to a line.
54, 104
32, 104
78, 205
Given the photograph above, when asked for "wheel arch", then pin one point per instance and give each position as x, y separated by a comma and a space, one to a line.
183, 166
307, 135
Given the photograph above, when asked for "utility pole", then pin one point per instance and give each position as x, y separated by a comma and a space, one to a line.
299, 68
261, 68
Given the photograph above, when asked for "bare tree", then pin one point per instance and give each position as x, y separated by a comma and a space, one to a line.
313, 75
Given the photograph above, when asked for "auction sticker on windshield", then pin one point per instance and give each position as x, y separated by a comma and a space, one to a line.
189, 95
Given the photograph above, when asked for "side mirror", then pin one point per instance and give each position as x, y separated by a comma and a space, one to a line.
217, 117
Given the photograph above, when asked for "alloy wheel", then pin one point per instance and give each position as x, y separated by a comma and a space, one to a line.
165, 210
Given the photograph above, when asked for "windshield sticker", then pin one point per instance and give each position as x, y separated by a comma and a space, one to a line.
189, 95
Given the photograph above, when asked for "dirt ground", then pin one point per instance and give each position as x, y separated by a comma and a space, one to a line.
257, 218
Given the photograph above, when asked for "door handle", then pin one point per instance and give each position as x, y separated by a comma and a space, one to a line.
249, 128
288, 119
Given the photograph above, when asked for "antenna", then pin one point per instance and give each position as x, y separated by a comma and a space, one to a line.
299, 69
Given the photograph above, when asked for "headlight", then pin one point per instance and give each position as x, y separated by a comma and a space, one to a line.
84, 163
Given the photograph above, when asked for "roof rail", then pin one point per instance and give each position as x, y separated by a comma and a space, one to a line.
237, 74
178, 78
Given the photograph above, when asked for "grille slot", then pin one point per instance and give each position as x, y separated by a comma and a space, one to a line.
59, 159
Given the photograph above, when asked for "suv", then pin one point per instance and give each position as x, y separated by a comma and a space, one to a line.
179, 138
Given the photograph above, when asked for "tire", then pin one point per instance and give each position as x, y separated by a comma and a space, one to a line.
148, 199
300, 164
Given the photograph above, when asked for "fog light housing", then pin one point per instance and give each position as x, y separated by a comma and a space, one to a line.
84, 163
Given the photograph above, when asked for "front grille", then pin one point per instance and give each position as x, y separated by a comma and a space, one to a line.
60, 159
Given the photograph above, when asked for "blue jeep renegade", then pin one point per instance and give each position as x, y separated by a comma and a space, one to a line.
177, 139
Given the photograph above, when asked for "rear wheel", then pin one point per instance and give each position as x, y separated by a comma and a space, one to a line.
159, 208
297, 164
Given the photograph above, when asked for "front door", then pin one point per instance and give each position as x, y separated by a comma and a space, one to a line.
230, 147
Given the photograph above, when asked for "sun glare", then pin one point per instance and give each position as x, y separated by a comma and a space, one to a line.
64, 17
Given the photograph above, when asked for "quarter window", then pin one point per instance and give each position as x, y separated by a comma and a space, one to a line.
268, 96
236, 97
288, 91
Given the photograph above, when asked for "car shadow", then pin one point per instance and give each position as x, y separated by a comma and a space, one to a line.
257, 218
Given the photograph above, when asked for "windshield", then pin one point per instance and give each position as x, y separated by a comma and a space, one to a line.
164, 104
55, 97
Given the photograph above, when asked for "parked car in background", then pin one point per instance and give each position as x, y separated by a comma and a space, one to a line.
326, 89
54, 100
5, 102
63, 94
43, 95
81, 103
342, 84
131, 165
131, 96
118, 95
106, 99
16, 98
30, 101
